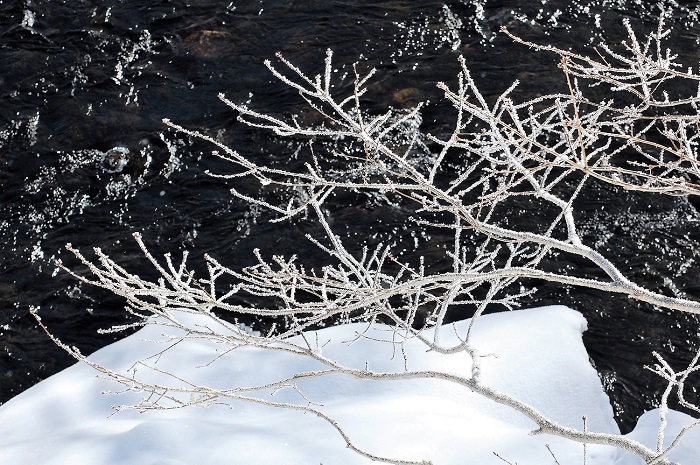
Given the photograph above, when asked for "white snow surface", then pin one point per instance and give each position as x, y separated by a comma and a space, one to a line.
536, 355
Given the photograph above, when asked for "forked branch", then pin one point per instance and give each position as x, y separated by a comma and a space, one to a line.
546, 150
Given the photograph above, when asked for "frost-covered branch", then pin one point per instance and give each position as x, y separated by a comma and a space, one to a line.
643, 135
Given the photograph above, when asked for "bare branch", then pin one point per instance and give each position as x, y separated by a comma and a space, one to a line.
545, 150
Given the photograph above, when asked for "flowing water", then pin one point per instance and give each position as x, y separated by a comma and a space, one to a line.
84, 157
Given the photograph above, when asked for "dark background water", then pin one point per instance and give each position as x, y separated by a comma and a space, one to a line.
79, 77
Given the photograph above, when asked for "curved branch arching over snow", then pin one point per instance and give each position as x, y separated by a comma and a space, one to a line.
546, 150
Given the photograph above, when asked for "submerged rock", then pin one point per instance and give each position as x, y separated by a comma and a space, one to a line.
115, 159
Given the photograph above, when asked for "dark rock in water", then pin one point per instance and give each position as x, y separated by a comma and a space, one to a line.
115, 159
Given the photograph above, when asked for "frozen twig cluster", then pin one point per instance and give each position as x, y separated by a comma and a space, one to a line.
641, 136
676, 381
644, 135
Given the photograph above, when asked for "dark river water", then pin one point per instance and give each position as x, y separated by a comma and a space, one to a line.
78, 78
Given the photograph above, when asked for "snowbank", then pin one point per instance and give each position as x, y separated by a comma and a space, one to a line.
536, 355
